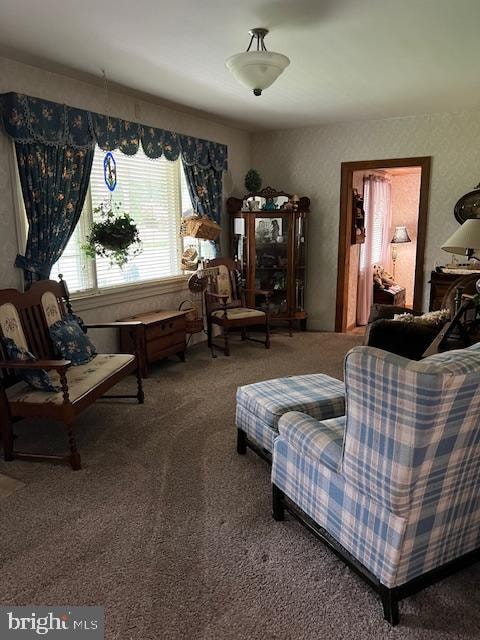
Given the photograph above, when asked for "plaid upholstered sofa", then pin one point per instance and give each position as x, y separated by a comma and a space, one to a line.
393, 487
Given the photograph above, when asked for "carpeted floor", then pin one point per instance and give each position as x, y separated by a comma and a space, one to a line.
8, 485
170, 530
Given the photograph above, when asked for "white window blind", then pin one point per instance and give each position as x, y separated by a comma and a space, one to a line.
149, 190
154, 193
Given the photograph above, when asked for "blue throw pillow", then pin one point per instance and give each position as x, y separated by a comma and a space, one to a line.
70, 342
36, 378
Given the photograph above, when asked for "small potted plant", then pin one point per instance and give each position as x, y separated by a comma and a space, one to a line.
253, 181
114, 235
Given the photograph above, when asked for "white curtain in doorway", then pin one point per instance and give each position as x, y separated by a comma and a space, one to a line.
376, 248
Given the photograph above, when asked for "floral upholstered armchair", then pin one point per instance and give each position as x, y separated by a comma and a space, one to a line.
393, 486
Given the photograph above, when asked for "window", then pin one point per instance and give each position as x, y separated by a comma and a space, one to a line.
376, 200
154, 192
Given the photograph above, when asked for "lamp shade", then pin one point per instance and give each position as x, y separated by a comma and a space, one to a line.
400, 235
466, 239
257, 70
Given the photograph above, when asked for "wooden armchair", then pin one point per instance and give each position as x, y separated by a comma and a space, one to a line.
226, 307
25, 319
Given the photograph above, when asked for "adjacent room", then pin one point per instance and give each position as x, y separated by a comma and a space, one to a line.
386, 202
240, 320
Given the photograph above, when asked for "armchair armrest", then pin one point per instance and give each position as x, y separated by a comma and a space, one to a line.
217, 296
320, 441
57, 365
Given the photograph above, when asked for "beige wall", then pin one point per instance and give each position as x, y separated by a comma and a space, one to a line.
307, 161
405, 201
15, 76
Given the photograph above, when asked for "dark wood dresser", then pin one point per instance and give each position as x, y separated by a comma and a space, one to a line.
439, 283
162, 335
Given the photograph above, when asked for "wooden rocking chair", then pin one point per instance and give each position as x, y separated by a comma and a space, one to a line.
226, 307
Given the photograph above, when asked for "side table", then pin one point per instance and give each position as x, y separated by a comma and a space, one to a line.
162, 334
393, 295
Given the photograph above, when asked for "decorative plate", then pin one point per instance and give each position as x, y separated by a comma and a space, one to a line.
468, 206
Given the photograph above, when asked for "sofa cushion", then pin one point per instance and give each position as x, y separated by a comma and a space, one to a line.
70, 342
35, 378
80, 380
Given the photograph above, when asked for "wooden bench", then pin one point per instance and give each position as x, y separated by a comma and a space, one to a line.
25, 318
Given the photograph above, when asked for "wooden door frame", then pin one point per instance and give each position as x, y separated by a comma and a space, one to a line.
345, 230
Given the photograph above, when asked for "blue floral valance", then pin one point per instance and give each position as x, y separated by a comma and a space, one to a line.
28, 119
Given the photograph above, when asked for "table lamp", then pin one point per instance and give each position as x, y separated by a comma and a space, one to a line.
465, 241
400, 235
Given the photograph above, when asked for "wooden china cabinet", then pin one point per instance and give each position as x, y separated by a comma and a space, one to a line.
268, 239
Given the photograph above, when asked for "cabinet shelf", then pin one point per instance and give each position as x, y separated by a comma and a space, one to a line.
271, 268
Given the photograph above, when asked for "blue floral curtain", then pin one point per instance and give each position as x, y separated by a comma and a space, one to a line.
28, 119
205, 188
54, 183
55, 145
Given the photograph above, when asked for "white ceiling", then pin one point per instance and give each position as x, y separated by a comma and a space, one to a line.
350, 59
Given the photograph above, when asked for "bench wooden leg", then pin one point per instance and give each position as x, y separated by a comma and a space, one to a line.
7, 438
6, 427
75, 460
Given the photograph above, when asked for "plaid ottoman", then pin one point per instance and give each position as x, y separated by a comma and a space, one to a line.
261, 405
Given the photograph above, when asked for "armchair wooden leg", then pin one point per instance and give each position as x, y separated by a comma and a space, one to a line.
210, 339
244, 333
241, 442
75, 460
225, 341
390, 606
278, 509
267, 336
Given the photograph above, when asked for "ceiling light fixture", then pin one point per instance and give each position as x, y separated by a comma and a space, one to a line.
257, 70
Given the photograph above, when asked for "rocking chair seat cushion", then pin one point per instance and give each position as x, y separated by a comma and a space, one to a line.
261, 405
239, 313
80, 380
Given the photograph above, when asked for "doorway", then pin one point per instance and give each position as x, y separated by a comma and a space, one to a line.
394, 193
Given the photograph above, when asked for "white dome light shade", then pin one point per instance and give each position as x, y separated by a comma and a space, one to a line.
257, 70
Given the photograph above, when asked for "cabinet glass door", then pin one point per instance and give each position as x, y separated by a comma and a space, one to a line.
271, 261
300, 252
240, 244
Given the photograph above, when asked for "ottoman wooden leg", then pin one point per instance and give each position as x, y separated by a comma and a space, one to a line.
241, 442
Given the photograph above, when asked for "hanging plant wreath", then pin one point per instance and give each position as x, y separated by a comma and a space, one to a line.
114, 236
